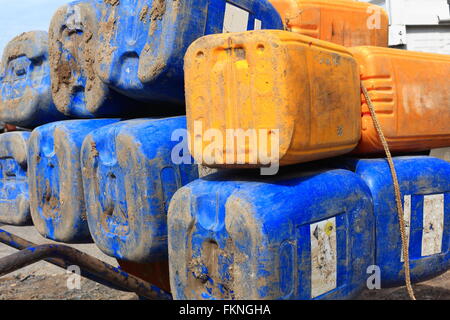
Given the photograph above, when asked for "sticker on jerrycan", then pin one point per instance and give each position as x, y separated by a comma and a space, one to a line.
129, 178
56, 191
346, 22
297, 236
425, 188
25, 86
143, 42
14, 197
73, 40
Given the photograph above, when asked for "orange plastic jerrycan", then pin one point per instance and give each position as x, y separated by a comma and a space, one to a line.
411, 95
345, 22
261, 97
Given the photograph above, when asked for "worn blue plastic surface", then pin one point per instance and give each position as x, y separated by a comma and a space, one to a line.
141, 54
56, 189
25, 87
14, 198
129, 179
425, 188
296, 236
73, 42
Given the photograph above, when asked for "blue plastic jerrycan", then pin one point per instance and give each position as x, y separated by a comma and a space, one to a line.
56, 190
425, 188
129, 178
144, 41
14, 199
73, 42
25, 86
299, 235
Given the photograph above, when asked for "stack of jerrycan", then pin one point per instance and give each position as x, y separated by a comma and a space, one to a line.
123, 59
410, 92
56, 189
425, 187
25, 101
268, 85
262, 103
265, 99
99, 49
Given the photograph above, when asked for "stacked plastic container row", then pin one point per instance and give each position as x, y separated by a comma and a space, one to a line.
116, 60
311, 231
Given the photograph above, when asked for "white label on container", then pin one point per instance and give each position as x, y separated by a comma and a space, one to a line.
323, 257
407, 218
258, 24
433, 224
236, 19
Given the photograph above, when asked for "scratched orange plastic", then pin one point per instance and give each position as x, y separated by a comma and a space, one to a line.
345, 22
411, 94
302, 90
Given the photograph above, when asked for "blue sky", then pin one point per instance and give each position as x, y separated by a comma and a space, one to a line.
17, 16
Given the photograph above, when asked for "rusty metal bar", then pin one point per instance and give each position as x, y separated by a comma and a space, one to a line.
62, 256
19, 243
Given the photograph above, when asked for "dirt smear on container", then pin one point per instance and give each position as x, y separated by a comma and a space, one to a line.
143, 14
154, 58
107, 31
214, 281
156, 13
72, 51
112, 2
22, 107
19, 46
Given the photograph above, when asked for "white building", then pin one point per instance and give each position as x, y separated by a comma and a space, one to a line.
419, 25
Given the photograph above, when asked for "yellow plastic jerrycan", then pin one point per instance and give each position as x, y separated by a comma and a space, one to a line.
261, 97
345, 22
411, 95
